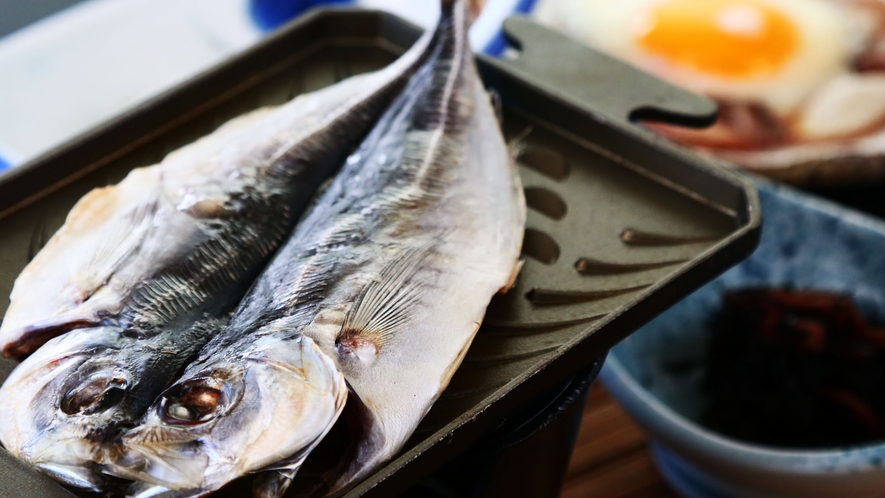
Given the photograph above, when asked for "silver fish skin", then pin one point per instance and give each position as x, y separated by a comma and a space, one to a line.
139, 266
174, 237
389, 276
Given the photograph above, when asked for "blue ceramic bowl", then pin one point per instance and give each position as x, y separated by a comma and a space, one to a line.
806, 243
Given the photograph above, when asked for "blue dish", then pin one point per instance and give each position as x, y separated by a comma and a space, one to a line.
656, 373
271, 14
497, 43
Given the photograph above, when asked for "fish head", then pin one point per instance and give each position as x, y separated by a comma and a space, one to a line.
59, 402
272, 401
74, 279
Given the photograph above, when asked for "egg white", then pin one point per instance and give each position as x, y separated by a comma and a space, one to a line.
828, 37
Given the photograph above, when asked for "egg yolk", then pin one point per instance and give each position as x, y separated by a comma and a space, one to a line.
735, 39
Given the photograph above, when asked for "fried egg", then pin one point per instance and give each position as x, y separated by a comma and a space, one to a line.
772, 52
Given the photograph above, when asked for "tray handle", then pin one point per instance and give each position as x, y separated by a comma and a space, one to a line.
607, 87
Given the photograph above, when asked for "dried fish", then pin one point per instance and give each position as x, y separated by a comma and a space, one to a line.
388, 277
132, 285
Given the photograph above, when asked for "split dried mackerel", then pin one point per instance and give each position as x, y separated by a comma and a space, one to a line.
383, 285
132, 284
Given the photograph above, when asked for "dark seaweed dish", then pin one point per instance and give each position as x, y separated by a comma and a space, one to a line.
798, 369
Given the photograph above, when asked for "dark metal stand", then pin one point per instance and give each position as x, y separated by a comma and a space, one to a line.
526, 456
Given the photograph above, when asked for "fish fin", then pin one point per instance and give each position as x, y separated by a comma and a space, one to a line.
517, 144
511, 281
497, 105
385, 304
273, 483
368, 446
126, 237
471, 8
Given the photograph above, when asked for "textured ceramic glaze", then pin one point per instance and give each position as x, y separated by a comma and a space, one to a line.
656, 372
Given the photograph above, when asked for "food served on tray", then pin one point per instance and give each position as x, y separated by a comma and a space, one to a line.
141, 372
383, 284
800, 82
133, 281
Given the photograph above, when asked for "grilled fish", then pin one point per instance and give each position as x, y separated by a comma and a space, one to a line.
388, 277
141, 269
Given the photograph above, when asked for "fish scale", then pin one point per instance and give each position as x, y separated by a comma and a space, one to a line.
383, 284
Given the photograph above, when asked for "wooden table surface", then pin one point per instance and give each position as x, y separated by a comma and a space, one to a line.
610, 458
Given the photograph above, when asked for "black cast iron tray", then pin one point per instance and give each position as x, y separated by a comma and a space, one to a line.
621, 224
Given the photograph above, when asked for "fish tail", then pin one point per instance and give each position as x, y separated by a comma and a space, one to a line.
472, 10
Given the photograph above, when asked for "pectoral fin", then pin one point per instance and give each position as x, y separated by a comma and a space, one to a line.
386, 304
273, 480
517, 145
122, 240
273, 484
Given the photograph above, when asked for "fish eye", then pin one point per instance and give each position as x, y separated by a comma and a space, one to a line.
99, 393
193, 402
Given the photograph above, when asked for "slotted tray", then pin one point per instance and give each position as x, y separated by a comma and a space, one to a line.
621, 225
